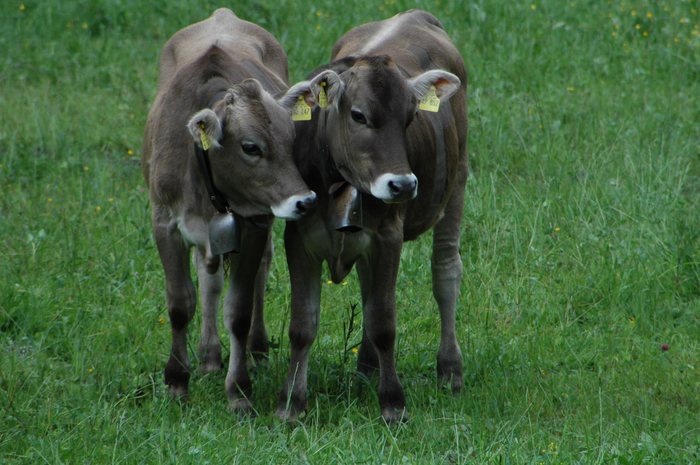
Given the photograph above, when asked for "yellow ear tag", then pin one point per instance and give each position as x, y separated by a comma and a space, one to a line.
204, 137
430, 101
301, 110
322, 99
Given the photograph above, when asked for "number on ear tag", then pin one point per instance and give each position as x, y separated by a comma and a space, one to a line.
430, 101
301, 110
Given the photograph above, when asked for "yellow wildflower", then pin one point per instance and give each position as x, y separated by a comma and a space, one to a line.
91, 370
130, 152
650, 15
354, 350
22, 7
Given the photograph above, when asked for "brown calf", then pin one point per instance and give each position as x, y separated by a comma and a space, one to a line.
222, 102
410, 168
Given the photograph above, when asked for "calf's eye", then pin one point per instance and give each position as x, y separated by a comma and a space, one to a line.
251, 148
357, 116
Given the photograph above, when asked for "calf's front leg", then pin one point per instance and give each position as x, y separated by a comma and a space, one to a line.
378, 274
181, 299
238, 308
305, 277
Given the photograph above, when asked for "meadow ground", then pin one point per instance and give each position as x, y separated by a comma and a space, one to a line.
580, 306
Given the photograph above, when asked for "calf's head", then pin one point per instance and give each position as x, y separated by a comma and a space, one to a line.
251, 137
371, 106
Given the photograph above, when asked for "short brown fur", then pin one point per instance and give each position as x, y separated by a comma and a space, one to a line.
377, 61
225, 71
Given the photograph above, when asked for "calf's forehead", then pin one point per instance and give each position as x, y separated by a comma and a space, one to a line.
379, 85
260, 117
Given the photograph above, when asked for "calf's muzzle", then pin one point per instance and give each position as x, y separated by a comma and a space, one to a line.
395, 187
296, 206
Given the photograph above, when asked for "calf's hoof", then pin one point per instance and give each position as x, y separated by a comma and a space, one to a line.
210, 358
450, 372
290, 408
177, 378
242, 407
259, 351
395, 415
288, 415
209, 367
179, 392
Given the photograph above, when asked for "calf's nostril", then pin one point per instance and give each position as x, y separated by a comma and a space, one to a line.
394, 187
306, 204
402, 186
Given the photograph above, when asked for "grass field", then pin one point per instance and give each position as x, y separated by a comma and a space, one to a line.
581, 248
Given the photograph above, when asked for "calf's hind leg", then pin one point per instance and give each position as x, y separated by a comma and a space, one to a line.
210, 287
258, 341
447, 275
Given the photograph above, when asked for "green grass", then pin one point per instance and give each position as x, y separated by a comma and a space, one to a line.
581, 248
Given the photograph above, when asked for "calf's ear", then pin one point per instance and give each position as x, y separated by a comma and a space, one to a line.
323, 89
329, 82
205, 128
446, 84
